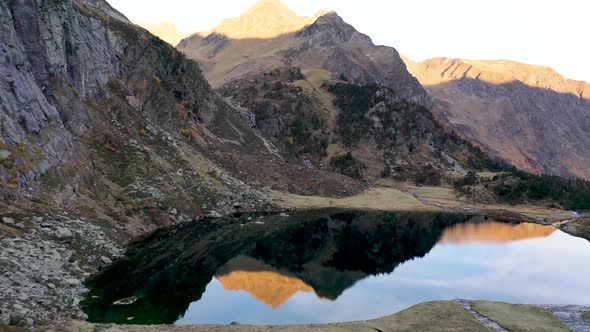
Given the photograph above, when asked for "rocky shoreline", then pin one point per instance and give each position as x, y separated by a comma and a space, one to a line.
44, 261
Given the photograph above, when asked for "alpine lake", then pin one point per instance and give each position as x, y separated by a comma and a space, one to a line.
323, 266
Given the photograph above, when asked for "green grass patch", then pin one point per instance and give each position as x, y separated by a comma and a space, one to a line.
586, 315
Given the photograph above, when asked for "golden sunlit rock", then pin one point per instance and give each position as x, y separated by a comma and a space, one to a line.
266, 19
494, 232
268, 287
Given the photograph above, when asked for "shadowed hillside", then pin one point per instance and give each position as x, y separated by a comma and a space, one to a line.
527, 115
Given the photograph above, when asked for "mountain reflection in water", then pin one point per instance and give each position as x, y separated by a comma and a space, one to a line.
495, 232
315, 254
261, 281
273, 288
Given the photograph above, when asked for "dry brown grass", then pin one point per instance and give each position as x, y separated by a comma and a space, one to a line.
520, 317
392, 196
378, 198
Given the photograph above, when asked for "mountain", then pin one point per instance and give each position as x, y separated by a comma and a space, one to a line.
266, 19
364, 131
260, 40
102, 119
527, 115
326, 94
167, 31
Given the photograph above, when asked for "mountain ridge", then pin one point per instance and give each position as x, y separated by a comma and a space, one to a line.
324, 42
497, 72
528, 115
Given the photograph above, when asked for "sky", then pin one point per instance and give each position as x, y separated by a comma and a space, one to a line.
553, 33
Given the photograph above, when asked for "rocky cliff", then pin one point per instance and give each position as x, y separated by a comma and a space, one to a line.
528, 115
245, 45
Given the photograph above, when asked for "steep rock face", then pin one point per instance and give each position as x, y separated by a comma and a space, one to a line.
100, 117
44, 44
321, 42
528, 115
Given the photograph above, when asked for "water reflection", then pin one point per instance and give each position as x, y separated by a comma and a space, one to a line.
327, 266
494, 232
274, 288
329, 250
260, 280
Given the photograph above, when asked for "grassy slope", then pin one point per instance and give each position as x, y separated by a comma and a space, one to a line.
519, 317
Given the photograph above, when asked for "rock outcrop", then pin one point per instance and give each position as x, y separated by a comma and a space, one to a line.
527, 115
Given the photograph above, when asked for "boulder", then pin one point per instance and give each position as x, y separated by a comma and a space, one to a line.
71, 282
213, 214
5, 154
8, 221
63, 232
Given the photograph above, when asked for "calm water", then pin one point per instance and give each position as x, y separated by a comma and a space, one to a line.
328, 267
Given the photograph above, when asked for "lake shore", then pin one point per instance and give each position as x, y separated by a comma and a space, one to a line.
406, 197
458, 315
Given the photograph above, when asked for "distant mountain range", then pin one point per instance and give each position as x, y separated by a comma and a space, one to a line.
528, 115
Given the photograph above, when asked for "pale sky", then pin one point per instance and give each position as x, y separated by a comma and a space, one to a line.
553, 33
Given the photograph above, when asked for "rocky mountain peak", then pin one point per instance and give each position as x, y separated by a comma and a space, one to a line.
266, 19
329, 23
